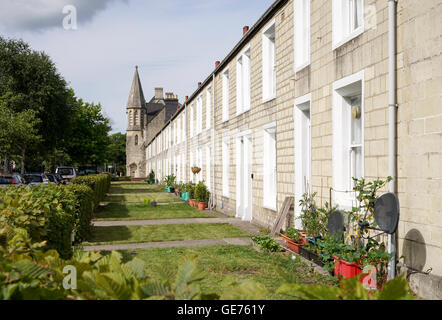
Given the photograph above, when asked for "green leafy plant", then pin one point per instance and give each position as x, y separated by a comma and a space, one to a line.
294, 234
268, 244
314, 219
170, 180
202, 194
349, 289
152, 176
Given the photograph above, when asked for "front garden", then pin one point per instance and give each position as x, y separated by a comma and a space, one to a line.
37, 227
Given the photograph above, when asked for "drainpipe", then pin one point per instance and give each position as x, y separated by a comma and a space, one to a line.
392, 108
213, 141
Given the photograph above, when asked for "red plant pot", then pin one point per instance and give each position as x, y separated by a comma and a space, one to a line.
291, 244
202, 206
192, 202
346, 269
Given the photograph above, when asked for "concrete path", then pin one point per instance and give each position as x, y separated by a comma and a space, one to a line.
159, 222
172, 244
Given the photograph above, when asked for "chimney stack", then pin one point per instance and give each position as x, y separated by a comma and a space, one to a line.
187, 98
217, 63
158, 93
245, 30
199, 84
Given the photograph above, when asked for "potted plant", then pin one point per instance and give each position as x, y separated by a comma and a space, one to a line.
196, 170
185, 194
170, 183
293, 239
314, 219
202, 196
192, 200
151, 177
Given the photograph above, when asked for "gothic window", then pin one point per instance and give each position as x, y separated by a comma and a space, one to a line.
136, 140
136, 118
130, 118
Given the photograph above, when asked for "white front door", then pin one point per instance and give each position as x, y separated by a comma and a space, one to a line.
244, 178
303, 158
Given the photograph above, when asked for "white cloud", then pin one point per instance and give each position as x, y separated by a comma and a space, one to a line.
37, 15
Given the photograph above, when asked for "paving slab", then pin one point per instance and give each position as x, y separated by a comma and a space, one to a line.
172, 244
158, 222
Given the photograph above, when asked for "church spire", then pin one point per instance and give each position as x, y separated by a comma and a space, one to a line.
136, 96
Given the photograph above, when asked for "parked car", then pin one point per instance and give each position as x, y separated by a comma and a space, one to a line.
59, 178
36, 179
52, 178
14, 179
67, 173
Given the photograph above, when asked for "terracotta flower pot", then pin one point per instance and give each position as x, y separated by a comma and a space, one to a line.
192, 202
202, 206
291, 244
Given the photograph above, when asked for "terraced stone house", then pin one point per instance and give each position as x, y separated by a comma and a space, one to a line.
315, 93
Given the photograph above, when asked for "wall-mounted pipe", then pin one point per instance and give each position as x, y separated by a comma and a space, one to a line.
392, 110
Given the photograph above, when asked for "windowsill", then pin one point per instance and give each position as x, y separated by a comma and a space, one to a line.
225, 120
302, 66
269, 99
269, 208
242, 112
348, 38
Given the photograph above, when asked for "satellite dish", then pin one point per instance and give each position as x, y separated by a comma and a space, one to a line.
336, 224
386, 213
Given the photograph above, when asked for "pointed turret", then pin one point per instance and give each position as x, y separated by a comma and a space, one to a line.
136, 96
136, 127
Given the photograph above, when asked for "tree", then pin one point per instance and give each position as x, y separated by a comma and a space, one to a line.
29, 80
18, 131
89, 139
116, 153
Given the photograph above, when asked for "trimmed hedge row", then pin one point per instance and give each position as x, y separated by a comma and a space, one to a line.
99, 183
48, 213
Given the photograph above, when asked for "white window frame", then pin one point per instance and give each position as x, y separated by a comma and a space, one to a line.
243, 81
270, 183
199, 115
302, 34
199, 160
183, 126
269, 63
226, 94
191, 119
343, 88
226, 167
208, 166
208, 107
342, 19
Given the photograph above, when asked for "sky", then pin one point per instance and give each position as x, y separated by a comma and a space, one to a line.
175, 43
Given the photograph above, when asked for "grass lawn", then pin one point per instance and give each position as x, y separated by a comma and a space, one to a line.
222, 264
161, 233
114, 211
153, 196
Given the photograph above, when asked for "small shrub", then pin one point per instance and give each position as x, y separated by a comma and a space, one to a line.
268, 244
201, 193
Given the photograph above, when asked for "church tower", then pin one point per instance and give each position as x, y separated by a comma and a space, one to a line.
136, 125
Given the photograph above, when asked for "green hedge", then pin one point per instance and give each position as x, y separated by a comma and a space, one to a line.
121, 179
99, 183
48, 213
84, 205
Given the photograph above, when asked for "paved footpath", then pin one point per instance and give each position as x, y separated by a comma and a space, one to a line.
172, 244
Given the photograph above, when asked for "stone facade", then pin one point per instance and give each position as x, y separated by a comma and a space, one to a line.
336, 72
